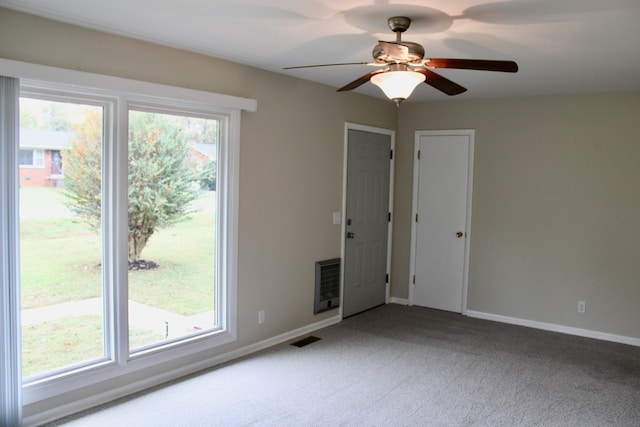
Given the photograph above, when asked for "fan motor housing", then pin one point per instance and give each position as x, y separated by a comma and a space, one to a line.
416, 53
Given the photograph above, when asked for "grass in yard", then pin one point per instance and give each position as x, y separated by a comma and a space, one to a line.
69, 341
40, 196
61, 258
183, 282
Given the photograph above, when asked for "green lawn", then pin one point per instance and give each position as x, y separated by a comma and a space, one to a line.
183, 282
67, 342
61, 260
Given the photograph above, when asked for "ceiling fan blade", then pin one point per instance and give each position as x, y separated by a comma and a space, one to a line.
473, 64
359, 81
395, 51
332, 65
441, 83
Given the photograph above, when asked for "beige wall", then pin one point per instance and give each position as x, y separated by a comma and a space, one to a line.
556, 206
291, 159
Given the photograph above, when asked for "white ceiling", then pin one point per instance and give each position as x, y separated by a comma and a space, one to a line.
561, 46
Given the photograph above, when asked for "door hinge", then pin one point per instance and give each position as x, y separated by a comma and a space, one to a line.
416, 217
389, 217
391, 155
414, 279
418, 154
386, 279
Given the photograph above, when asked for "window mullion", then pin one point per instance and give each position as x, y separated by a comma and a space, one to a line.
117, 218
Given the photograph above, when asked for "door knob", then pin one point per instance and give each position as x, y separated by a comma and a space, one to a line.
350, 235
459, 234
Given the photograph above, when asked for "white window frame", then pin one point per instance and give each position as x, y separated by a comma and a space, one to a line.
138, 103
37, 159
74, 95
122, 92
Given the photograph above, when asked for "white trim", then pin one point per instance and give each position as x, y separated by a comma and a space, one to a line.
400, 301
414, 211
553, 327
119, 128
206, 363
467, 248
392, 133
470, 133
101, 83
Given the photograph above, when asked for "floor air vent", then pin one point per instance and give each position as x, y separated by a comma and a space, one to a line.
305, 341
327, 285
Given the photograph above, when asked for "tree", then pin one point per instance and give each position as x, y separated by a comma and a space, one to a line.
56, 116
28, 119
208, 176
161, 178
83, 170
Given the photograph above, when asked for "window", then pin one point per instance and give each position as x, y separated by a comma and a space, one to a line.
68, 236
32, 158
172, 222
61, 256
79, 289
171, 217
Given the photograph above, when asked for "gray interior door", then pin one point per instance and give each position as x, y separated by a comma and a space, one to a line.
367, 220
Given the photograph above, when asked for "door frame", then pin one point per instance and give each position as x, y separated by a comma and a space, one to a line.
414, 210
392, 133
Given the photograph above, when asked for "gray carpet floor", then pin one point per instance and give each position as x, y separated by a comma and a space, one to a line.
402, 366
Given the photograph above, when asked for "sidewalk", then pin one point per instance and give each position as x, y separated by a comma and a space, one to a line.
140, 316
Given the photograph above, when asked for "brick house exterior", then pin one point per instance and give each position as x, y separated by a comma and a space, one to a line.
40, 158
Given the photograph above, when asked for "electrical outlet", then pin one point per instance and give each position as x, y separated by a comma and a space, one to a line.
582, 306
261, 317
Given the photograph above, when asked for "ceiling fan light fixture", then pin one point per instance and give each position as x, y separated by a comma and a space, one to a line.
398, 85
406, 67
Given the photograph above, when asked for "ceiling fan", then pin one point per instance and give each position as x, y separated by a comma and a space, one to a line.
405, 67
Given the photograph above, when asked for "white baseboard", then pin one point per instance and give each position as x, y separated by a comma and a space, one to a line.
401, 301
556, 328
125, 390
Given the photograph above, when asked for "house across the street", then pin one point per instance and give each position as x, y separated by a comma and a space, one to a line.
40, 157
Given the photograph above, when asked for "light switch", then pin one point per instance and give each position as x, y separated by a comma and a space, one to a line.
337, 218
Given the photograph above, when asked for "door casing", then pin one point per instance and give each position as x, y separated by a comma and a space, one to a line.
416, 176
392, 134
